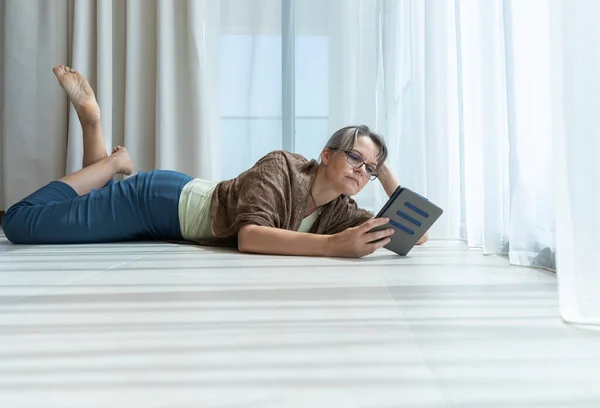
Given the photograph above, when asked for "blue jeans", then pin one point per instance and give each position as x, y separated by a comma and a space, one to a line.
143, 207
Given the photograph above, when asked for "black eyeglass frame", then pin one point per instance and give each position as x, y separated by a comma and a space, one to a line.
374, 173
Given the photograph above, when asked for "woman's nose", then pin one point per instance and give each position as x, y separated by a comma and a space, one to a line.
361, 170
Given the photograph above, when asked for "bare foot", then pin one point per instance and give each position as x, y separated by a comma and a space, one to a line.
80, 94
122, 161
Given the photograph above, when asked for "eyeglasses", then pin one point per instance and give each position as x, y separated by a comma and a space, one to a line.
357, 162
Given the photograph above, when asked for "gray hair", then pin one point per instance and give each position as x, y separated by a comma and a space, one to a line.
346, 139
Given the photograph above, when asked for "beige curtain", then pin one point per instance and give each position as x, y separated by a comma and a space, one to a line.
151, 64
33, 113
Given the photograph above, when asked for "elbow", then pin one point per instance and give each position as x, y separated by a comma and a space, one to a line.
242, 248
245, 238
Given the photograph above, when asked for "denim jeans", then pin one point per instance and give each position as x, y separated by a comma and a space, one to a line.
142, 207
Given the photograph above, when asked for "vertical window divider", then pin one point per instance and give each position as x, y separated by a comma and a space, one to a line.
288, 55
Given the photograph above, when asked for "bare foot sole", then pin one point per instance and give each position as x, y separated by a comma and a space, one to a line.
80, 94
122, 160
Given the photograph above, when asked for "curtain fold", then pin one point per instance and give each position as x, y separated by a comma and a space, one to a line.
139, 95
484, 116
576, 63
34, 109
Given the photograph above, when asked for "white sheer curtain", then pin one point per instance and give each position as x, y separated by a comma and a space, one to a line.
499, 127
575, 65
474, 129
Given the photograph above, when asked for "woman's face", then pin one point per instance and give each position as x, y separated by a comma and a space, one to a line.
346, 171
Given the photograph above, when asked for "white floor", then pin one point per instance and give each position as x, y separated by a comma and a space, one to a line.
160, 325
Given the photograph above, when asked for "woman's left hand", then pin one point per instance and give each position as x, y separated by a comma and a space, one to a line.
423, 239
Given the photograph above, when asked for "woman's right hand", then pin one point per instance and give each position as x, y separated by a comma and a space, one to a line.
357, 242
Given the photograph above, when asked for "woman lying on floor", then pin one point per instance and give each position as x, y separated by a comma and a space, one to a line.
285, 204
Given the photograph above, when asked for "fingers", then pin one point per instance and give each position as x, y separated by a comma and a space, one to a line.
373, 223
374, 246
377, 235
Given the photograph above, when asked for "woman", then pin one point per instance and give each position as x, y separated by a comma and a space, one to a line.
284, 204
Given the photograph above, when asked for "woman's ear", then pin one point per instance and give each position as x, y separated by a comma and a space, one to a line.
325, 156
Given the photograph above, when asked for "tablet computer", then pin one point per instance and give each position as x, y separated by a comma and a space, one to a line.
411, 216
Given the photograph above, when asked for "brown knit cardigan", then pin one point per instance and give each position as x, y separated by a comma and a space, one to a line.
274, 193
